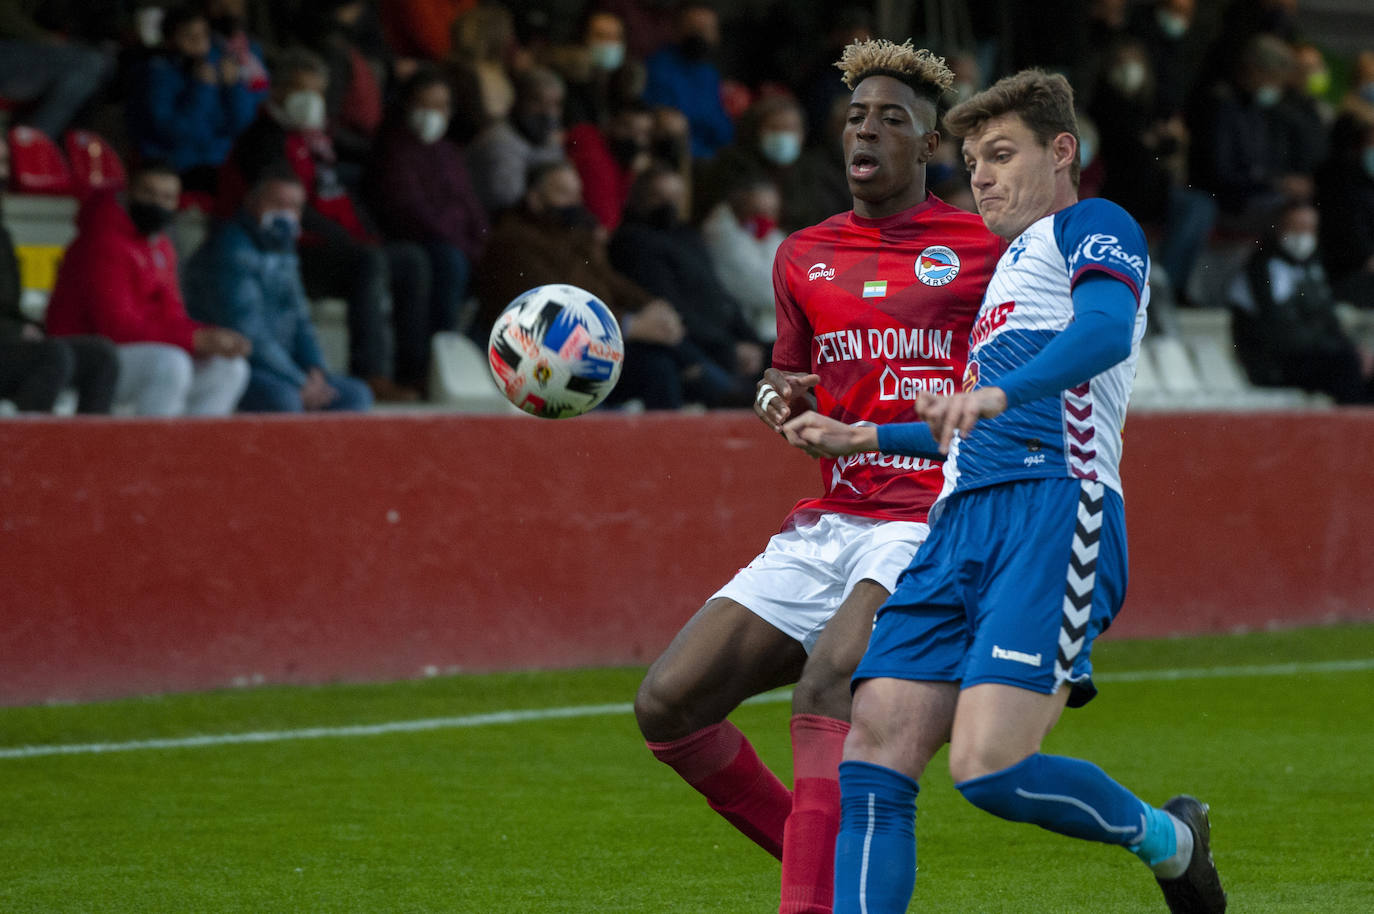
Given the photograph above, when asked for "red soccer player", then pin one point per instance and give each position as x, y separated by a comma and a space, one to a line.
874, 307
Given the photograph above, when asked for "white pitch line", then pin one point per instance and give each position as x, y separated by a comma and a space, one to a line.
542, 714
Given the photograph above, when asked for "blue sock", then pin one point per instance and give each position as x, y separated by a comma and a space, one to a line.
1064, 795
1161, 838
875, 851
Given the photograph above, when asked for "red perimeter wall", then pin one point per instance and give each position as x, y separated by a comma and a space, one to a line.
152, 556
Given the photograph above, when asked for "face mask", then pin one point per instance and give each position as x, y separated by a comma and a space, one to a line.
668, 151
149, 218
695, 47
1128, 77
572, 217
1171, 24
1268, 96
759, 226
1298, 246
663, 216
781, 147
225, 25
1318, 83
1367, 160
1367, 92
427, 124
536, 127
624, 150
606, 55
278, 229
304, 110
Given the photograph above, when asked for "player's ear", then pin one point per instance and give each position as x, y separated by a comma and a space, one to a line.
1065, 150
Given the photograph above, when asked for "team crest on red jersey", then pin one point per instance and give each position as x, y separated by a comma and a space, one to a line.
937, 265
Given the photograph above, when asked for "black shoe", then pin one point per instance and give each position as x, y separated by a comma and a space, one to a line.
1198, 890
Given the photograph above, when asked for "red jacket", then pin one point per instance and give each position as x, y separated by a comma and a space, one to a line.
118, 284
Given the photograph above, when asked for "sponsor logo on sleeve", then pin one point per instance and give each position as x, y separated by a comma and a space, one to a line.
820, 271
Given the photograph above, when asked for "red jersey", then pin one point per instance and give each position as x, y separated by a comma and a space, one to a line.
881, 310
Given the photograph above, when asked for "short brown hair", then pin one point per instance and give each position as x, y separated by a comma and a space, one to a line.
1043, 101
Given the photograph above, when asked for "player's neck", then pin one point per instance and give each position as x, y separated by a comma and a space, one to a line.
890, 207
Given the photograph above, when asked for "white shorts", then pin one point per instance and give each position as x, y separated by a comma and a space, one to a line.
799, 581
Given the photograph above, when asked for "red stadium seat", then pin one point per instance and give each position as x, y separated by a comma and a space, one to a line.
94, 163
37, 165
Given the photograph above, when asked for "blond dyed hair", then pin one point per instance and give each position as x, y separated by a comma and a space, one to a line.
920, 69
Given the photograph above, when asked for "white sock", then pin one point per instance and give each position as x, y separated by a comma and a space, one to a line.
1176, 865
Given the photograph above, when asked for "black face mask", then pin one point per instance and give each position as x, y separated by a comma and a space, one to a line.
536, 127
572, 217
670, 152
624, 149
663, 216
695, 47
149, 218
225, 25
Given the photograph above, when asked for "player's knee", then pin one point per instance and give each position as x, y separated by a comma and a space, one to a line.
823, 689
969, 759
661, 709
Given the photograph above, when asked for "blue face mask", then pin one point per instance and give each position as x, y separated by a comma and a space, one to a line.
1367, 92
781, 147
278, 229
1268, 96
1367, 160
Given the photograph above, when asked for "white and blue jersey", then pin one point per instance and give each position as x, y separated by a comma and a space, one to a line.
1029, 302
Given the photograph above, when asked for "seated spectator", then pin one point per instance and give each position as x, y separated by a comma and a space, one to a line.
422, 194
501, 156
1174, 48
1359, 99
1244, 151
552, 238
649, 24
609, 159
51, 79
341, 32
480, 66
35, 369
820, 169
742, 238
231, 40
118, 279
1284, 318
247, 276
683, 76
339, 253
658, 249
1145, 162
588, 69
771, 135
187, 103
1345, 192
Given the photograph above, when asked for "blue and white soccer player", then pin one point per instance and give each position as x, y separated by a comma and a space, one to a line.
987, 636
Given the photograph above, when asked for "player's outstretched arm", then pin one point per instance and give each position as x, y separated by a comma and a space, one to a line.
960, 412
783, 394
822, 436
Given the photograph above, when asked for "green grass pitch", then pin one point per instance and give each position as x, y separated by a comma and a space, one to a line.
572, 815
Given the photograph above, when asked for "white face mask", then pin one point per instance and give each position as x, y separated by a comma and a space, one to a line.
1298, 245
606, 55
1171, 24
427, 124
1268, 96
781, 147
304, 110
1128, 76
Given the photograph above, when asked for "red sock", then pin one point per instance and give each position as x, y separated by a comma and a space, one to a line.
808, 859
719, 762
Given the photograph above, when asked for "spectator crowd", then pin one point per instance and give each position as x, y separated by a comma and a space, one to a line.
426, 161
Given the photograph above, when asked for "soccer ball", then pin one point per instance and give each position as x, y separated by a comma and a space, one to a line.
556, 351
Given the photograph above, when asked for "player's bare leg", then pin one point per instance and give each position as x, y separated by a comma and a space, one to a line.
722, 656
997, 765
820, 723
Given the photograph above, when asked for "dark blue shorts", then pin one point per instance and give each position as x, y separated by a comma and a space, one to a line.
1013, 585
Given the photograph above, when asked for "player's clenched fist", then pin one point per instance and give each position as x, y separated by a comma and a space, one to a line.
782, 394
961, 411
